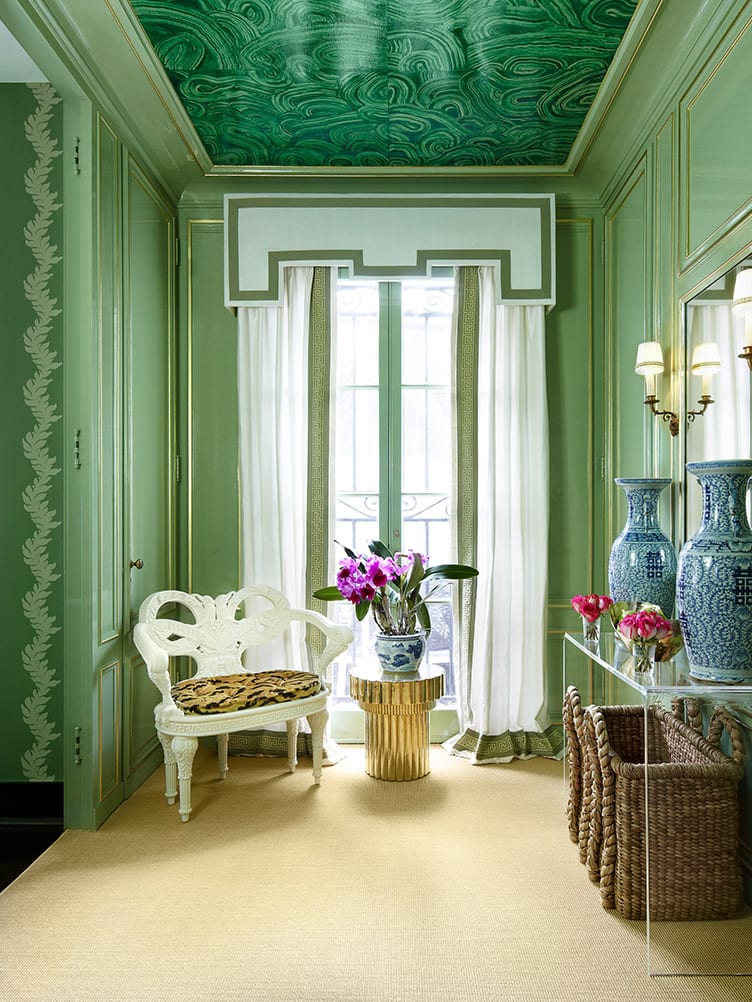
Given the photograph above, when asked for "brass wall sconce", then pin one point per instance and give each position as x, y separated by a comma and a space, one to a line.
706, 361
742, 307
649, 364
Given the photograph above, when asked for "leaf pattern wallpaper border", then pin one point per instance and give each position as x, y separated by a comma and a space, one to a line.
401, 83
36, 602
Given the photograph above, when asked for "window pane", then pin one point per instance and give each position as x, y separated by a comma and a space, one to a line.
425, 434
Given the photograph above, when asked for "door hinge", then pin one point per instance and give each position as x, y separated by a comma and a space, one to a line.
177, 468
77, 155
77, 449
77, 745
177, 252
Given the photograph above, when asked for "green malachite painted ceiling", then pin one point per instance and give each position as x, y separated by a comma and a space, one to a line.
378, 83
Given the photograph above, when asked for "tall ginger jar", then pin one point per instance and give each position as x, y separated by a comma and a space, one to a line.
714, 582
642, 564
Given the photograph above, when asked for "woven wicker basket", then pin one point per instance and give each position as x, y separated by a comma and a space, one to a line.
580, 802
693, 813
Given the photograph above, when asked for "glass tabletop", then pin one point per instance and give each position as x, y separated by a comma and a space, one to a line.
668, 676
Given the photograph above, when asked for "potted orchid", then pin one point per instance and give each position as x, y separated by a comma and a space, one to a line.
391, 587
643, 630
591, 608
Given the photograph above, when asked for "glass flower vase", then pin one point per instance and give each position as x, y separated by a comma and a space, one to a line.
591, 632
643, 658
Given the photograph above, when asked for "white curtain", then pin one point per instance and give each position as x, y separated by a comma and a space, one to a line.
723, 432
273, 451
501, 686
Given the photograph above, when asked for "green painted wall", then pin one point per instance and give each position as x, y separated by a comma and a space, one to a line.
31, 708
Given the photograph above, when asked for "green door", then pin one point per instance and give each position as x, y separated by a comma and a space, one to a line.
133, 469
149, 461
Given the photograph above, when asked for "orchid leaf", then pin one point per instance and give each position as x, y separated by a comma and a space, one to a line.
416, 573
451, 572
361, 610
329, 594
380, 549
424, 618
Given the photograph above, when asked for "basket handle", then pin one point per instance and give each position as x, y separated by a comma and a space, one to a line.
721, 719
602, 847
685, 708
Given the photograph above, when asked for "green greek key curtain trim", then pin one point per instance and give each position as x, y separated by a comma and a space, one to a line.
486, 339
319, 396
465, 354
512, 744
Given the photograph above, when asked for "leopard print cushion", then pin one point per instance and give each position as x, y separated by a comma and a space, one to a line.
224, 694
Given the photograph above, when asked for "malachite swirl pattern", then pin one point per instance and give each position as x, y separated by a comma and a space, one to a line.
376, 83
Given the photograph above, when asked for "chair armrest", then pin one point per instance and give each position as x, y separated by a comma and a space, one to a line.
338, 638
157, 663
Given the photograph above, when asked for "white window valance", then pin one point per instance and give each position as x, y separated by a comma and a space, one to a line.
389, 236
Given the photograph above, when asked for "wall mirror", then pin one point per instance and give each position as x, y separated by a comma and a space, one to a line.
724, 430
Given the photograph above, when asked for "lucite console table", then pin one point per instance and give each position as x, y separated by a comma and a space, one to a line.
605, 676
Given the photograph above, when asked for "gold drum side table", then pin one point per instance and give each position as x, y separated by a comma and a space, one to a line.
396, 706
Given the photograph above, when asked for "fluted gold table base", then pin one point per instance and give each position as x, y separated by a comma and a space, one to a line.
396, 709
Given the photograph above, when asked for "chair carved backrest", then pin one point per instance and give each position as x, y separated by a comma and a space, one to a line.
222, 630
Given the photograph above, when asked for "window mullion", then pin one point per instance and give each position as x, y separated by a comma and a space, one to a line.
390, 412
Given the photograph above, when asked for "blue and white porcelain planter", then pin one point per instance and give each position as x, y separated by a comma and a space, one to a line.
642, 564
402, 653
714, 583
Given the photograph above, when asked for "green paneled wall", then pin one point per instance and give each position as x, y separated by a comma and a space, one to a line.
210, 543
31, 707
574, 358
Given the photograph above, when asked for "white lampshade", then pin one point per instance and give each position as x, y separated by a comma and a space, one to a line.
706, 359
742, 305
649, 359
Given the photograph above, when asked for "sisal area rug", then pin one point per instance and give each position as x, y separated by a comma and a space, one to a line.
459, 887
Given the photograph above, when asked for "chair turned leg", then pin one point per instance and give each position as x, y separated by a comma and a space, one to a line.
222, 740
184, 750
292, 744
170, 768
317, 723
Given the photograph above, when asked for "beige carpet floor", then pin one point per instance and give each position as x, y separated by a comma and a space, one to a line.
460, 887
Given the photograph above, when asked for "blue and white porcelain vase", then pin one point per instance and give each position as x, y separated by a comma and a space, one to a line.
398, 652
642, 564
714, 583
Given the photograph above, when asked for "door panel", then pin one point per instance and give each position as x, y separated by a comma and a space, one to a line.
107, 640
149, 453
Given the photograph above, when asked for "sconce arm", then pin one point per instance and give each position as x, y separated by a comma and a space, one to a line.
673, 419
704, 402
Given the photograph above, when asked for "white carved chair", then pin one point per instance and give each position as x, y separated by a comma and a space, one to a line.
223, 696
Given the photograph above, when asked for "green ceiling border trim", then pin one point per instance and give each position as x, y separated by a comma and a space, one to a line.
267, 290
36, 601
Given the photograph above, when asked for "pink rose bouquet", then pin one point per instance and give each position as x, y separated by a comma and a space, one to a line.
590, 607
644, 629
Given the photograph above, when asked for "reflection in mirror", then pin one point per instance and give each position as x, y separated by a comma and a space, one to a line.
724, 431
